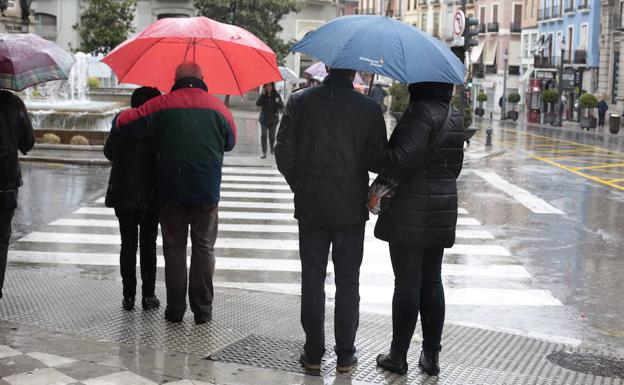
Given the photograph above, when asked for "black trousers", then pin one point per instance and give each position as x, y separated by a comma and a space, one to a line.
417, 287
138, 226
347, 251
270, 130
6, 216
601, 119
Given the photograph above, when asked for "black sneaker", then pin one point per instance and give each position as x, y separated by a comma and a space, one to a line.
128, 303
345, 366
175, 320
429, 362
386, 362
202, 319
263, 156
150, 303
308, 363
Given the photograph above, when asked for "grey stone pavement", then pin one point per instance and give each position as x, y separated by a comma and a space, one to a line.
61, 321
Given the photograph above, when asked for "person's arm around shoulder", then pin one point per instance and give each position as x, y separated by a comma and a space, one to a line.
110, 146
409, 143
376, 141
286, 143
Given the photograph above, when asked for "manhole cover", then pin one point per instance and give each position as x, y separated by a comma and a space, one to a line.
271, 353
594, 364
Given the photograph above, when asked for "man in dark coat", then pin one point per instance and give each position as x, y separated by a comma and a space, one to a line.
602, 111
327, 139
425, 154
16, 133
132, 193
192, 129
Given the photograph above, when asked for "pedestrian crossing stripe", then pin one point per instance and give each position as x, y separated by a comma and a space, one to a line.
248, 170
246, 187
243, 228
245, 243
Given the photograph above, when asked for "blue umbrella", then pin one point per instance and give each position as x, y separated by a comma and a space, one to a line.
384, 46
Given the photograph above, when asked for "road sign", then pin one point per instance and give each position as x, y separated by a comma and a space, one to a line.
459, 23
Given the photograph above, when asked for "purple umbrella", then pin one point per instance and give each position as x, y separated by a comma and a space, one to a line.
27, 60
318, 71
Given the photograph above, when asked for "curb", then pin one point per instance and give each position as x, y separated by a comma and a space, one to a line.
75, 161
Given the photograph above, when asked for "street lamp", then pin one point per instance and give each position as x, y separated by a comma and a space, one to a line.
504, 103
560, 88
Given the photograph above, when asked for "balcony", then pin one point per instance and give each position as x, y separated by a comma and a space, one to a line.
570, 7
492, 27
434, 2
543, 14
556, 12
543, 62
580, 56
583, 5
515, 28
481, 28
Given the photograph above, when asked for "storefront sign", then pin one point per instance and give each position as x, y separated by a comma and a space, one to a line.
568, 79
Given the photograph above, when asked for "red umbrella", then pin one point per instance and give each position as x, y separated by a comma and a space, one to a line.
233, 60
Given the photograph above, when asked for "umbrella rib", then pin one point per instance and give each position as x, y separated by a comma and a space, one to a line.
138, 58
402, 47
229, 65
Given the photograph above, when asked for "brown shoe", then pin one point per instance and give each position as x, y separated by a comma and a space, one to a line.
308, 363
345, 366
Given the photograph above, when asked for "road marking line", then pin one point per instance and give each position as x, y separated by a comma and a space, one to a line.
243, 228
252, 194
246, 178
251, 187
250, 170
521, 195
373, 246
383, 294
590, 177
600, 166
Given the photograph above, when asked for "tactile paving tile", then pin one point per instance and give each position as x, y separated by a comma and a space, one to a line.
271, 353
92, 308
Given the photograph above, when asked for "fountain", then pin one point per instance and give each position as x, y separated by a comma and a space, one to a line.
65, 104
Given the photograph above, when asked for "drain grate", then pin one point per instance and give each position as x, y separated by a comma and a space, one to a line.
597, 365
270, 353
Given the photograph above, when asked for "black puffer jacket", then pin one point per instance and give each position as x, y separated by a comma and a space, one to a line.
271, 105
16, 133
327, 140
424, 208
132, 182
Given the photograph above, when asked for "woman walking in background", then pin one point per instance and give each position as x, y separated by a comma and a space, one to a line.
131, 192
271, 103
425, 156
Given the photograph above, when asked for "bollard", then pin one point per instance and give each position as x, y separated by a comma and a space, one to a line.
488, 138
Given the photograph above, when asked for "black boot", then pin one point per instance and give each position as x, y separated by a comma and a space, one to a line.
128, 303
150, 302
429, 362
391, 363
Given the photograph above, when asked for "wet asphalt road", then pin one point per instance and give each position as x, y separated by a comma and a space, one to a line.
577, 255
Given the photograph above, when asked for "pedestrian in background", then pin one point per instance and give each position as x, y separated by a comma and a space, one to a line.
192, 129
132, 193
271, 102
16, 133
602, 111
327, 138
425, 154
379, 94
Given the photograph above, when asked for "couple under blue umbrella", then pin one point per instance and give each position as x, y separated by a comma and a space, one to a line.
330, 137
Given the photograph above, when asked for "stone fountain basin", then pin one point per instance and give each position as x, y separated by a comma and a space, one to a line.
73, 115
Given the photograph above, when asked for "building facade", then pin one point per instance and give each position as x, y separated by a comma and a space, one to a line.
496, 61
569, 46
528, 46
15, 16
610, 83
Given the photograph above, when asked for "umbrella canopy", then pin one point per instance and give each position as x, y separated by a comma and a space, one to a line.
318, 71
384, 46
289, 75
233, 60
27, 60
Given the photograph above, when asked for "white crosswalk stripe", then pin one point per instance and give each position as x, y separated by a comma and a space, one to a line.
257, 248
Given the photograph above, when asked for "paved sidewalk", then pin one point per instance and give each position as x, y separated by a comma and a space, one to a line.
255, 337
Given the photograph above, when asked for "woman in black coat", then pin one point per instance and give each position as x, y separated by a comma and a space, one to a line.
425, 154
271, 103
131, 192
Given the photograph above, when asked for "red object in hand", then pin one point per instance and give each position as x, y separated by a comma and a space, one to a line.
233, 60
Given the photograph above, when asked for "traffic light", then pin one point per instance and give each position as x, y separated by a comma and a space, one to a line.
469, 83
469, 32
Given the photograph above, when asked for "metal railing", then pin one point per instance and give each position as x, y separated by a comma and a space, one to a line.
556, 12
543, 14
583, 5
492, 27
570, 6
515, 28
482, 28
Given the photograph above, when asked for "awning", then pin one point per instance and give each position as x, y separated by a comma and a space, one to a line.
490, 52
475, 52
514, 53
526, 76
